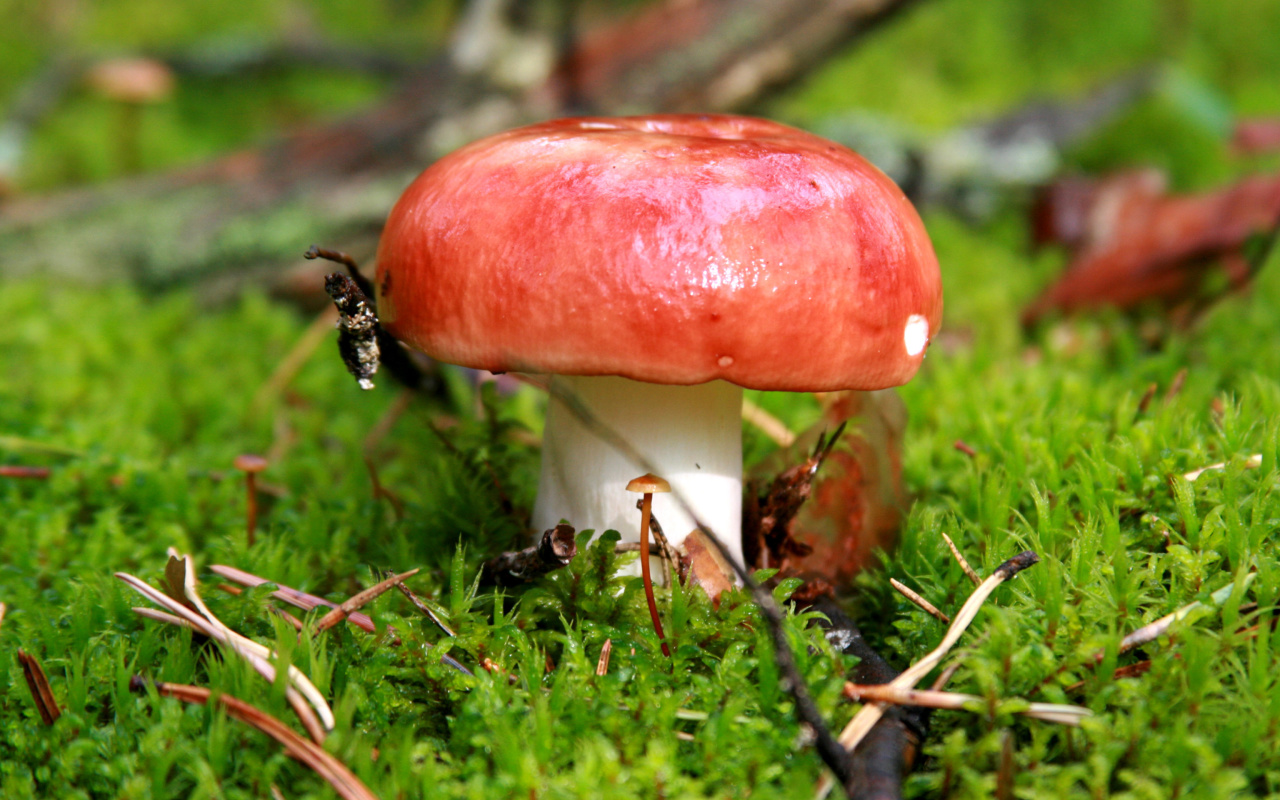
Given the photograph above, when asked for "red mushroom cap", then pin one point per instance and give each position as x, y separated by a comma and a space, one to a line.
670, 249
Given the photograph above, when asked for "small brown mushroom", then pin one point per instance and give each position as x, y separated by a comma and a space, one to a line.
251, 465
649, 484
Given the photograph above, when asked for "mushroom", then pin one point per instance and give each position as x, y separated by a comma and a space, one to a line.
658, 265
133, 83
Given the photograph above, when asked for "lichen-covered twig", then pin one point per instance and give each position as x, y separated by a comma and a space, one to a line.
357, 328
554, 550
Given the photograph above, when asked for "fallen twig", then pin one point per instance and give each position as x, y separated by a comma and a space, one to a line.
41, 693
964, 565
359, 600
900, 695
294, 597
1153, 630
889, 750
911, 595
422, 606
344, 782
1252, 462
259, 656
554, 550
870, 713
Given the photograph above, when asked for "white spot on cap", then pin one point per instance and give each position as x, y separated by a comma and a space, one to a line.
916, 335
725, 361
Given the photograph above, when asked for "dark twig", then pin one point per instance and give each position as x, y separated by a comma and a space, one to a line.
41, 693
887, 752
554, 550
864, 722
339, 257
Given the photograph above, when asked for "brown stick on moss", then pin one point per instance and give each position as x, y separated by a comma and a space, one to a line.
554, 550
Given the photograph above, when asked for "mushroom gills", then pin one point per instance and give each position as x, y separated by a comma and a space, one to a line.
691, 434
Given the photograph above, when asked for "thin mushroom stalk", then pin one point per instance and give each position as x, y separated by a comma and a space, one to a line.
649, 484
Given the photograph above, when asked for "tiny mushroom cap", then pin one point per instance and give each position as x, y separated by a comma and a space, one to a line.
132, 80
662, 263
649, 483
250, 463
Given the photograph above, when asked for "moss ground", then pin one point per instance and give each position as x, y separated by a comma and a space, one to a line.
139, 403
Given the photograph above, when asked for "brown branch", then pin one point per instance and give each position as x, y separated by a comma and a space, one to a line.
554, 550
359, 600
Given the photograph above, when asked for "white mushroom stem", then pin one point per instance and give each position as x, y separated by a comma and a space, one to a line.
692, 434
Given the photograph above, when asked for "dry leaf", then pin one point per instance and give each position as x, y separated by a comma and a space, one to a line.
1133, 243
707, 568
855, 500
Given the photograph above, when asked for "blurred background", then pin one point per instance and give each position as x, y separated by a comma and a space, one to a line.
208, 144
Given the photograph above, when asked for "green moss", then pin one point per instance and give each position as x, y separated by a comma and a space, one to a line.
139, 402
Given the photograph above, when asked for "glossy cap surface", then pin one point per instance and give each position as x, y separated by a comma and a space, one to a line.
670, 249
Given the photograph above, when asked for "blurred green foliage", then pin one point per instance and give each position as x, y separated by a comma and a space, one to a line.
140, 403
